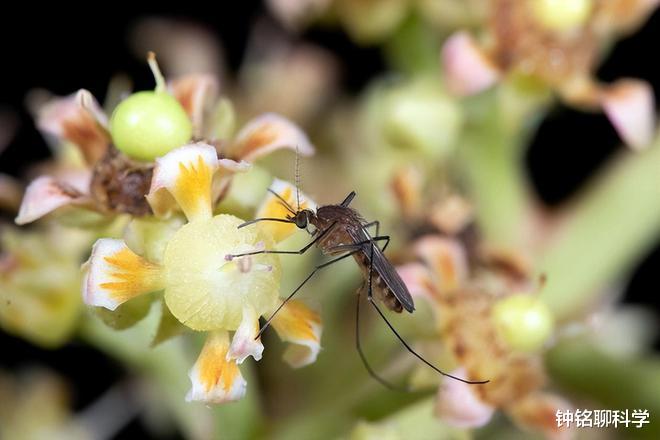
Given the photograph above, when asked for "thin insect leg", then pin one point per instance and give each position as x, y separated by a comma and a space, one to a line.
348, 199
377, 224
299, 252
347, 247
408, 347
370, 224
286, 300
358, 346
286, 204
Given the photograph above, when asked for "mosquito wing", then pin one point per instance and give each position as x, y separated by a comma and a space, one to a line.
384, 269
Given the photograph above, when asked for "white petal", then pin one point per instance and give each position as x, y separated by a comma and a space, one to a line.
214, 378
115, 274
244, 343
458, 406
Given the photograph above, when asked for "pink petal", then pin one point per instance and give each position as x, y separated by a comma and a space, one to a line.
459, 406
45, 195
195, 92
630, 106
417, 280
79, 119
467, 69
268, 133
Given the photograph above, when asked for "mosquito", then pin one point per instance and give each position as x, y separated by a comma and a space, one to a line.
341, 232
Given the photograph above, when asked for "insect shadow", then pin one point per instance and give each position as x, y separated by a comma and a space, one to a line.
340, 231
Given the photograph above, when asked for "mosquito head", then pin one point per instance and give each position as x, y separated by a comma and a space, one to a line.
301, 219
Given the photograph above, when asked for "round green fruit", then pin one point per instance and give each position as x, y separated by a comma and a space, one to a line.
149, 124
523, 321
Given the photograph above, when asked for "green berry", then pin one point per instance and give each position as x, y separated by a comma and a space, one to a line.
149, 124
523, 321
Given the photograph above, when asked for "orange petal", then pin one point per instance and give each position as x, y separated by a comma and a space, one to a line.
214, 378
195, 92
273, 207
44, 195
267, 133
446, 259
300, 325
79, 119
184, 176
116, 274
630, 107
459, 406
244, 343
467, 69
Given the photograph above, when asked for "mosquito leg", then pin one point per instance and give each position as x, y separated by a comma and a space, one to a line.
316, 269
363, 357
370, 224
298, 252
405, 344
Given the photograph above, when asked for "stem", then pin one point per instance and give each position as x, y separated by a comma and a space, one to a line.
158, 76
603, 233
617, 383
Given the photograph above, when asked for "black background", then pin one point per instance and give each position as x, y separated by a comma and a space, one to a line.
63, 51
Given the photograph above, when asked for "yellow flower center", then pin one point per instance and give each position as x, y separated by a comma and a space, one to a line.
204, 290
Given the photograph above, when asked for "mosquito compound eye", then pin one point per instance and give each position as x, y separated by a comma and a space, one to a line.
301, 221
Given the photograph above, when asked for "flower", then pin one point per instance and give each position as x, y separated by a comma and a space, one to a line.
109, 182
205, 289
39, 282
465, 300
558, 44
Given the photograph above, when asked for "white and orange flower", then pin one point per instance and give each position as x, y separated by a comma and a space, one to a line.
204, 289
107, 181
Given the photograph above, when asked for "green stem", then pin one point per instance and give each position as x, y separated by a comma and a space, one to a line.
617, 383
603, 233
166, 365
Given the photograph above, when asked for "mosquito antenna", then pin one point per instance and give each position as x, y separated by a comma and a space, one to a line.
286, 204
297, 178
403, 341
264, 219
358, 345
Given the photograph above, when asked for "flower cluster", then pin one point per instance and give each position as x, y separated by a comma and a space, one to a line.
556, 43
202, 288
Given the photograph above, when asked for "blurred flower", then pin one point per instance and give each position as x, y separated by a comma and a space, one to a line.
557, 43
204, 288
374, 21
40, 282
464, 300
277, 75
36, 392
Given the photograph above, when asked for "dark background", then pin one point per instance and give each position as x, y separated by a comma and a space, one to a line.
63, 52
